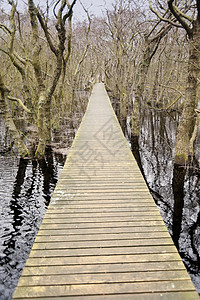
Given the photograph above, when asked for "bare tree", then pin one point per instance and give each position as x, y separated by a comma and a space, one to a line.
188, 18
151, 33
121, 57
5, 107
31, 60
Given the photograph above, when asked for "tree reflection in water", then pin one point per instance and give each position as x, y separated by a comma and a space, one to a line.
176, 190
24, 204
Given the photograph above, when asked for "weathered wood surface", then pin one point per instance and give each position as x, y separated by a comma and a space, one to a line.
102, 236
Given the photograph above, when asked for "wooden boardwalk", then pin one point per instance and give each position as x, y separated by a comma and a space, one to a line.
102, 236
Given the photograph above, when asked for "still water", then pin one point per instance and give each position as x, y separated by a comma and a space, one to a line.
25, 190
176, 190
26, 187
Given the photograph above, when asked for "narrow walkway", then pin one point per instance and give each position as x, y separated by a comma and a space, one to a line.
102, 236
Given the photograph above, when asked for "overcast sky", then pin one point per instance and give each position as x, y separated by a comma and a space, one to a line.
95, 7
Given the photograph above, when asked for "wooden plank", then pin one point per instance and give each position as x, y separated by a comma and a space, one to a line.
77, 176
73, 251
129, 176
86, 207
105, 185
112, 196
78, 205
118, 214
122, 190
107, 235
98, 210
42, 245
102, 278
117, 224
55, 229
140, 296
102, 180
76, 199
103, 259
109, 219
103, 237
104, 268
104, 289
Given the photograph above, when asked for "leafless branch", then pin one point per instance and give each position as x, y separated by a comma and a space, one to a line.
174, 10
20, 103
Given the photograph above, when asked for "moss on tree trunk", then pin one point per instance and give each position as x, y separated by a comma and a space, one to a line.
187, 122
42, 125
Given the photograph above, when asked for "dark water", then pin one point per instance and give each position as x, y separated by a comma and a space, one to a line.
26, 187
176, 190
25, 190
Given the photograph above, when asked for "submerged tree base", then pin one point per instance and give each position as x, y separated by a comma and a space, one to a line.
178, 190
181, 159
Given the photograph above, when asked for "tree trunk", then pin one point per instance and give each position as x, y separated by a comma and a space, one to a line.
123, 111
21, 147
42, 124
178, 189
187, 122
143, 70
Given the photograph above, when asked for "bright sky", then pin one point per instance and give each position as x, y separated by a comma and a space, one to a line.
95, 7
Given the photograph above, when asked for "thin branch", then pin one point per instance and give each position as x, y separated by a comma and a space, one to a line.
163, 31
87, 39
183, 15
23, 61
11, 53
20, 103
172, 88
4, 51
69, 37
161, 17
54, 9
46, 32
5, 29
69, 13
154, 27
60, 12
174, 11
13, 28
35, 44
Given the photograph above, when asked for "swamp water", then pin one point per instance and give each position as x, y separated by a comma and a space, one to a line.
25, 190
175, 189
26, 187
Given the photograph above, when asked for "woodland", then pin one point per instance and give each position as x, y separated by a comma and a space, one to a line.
146, 53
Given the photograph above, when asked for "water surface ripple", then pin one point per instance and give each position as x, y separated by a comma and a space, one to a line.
25, 190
